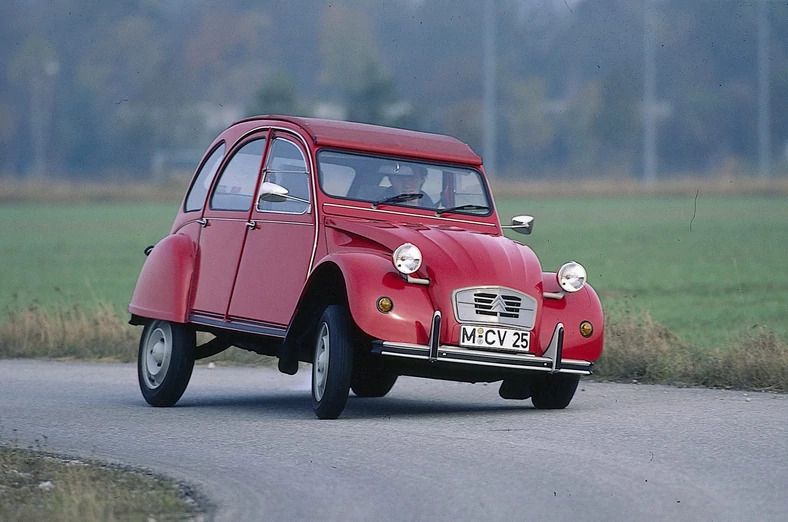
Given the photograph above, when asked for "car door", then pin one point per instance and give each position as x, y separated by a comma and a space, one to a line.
279, 249
225, 225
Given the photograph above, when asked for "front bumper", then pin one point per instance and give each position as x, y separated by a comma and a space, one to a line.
551, 361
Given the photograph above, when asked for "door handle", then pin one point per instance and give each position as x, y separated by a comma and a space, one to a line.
251, 224
203, 222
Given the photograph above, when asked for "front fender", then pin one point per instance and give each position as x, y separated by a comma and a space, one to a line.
162, 290
369, 276
571, 310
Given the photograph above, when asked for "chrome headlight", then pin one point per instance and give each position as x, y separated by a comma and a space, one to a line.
571, 276
407, 258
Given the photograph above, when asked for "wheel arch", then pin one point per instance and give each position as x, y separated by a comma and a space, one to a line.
163, 287
325, 286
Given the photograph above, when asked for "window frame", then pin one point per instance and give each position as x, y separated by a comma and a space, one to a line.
198, 173
292, 139
458, 166
240, 147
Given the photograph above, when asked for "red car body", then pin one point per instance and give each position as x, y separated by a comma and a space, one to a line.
258, 268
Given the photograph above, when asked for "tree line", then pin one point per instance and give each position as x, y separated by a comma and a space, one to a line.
102, 89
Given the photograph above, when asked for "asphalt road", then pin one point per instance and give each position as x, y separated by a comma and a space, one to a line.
248, 441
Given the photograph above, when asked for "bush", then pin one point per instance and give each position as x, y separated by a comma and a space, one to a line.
642, 349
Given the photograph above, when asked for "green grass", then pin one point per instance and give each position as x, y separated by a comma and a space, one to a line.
710, 285
56, 255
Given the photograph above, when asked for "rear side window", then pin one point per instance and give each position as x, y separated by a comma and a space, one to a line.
202, 182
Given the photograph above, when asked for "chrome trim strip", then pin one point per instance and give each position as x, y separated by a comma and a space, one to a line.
577, 362
432, 216
495, 364
261, 211
406, 355
247, 327
553, 295
576, 372
407, 346
278, 222
494, 355
210, 218
554, 349
417, 280
435, 333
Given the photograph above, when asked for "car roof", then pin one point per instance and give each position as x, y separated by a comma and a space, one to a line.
380, 139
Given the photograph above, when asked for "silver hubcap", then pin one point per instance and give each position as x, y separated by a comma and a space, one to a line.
158, 354
320, 365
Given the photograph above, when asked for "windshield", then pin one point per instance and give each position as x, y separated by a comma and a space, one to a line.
385, 181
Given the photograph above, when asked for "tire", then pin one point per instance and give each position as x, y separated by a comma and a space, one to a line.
332, 363
165, 362
554, 392
516, 388
371, 379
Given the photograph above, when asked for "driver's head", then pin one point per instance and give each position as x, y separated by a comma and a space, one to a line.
408, 179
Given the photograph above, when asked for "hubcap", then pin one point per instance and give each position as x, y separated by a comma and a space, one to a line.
320, 364
158, 353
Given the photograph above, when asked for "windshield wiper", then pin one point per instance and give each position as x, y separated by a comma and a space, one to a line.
399, 198
462, 207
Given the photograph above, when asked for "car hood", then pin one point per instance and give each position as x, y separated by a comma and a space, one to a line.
455, 257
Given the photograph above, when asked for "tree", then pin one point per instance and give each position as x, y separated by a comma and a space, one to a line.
276, 96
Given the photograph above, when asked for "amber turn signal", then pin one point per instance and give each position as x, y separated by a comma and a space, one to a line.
385, 304
586, 329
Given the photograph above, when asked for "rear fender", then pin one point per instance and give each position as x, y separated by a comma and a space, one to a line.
162, 290
370, 276
571, 310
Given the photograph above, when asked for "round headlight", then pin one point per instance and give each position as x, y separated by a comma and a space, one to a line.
407, 258
571, 276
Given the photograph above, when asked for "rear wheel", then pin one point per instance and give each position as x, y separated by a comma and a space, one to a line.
165, 361
554, 392
332, 365
516, 388
371, 378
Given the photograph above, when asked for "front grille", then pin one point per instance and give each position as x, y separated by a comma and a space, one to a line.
495, 305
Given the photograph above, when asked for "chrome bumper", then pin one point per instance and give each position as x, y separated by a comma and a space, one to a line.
551, 361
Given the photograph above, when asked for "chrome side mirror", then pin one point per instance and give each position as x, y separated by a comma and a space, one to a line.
522, 224
272, 192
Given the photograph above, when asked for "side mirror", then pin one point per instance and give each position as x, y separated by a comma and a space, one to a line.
522, 224
272, 192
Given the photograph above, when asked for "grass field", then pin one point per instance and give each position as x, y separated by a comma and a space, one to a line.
56, 255
709, 270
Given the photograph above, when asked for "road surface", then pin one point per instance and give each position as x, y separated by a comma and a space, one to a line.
247, 440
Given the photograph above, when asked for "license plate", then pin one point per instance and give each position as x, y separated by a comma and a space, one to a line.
497, 338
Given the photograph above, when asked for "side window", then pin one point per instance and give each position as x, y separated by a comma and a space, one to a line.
235, 187
202, 181
287, 167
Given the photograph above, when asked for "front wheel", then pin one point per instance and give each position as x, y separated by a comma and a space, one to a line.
554, 392
332, 365
165, 361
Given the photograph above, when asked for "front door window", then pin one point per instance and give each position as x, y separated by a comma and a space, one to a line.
286, 167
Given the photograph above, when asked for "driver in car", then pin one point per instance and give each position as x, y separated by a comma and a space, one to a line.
408, 179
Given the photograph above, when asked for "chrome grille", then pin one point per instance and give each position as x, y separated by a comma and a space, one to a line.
495, 305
